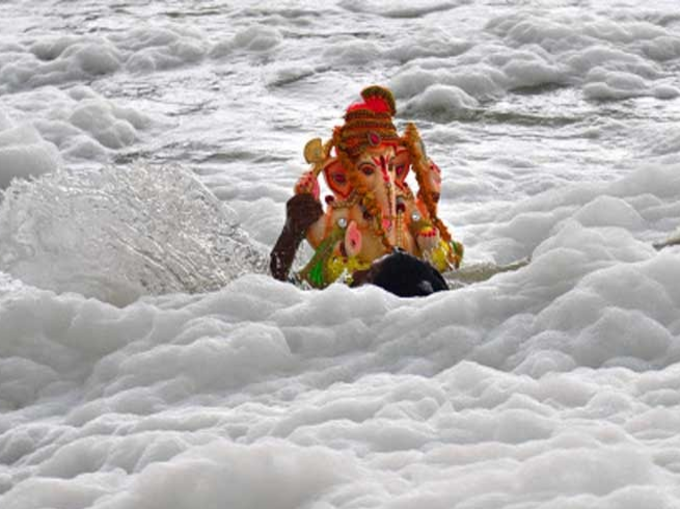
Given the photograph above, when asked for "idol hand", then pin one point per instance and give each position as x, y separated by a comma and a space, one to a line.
308, 183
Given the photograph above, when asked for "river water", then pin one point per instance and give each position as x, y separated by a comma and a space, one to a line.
148, 360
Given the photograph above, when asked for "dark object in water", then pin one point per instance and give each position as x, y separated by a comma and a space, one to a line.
403, 275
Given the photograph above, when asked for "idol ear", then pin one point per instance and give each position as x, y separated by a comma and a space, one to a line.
337, 179
402, 165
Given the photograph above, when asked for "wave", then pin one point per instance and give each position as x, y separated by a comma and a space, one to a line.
120, 233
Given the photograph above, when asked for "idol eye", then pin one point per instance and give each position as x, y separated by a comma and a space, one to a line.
400, 169
367, 170
339, 178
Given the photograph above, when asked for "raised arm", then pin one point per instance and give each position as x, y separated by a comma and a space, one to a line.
303, 211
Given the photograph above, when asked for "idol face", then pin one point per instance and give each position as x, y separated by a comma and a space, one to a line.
375, 174
376, 171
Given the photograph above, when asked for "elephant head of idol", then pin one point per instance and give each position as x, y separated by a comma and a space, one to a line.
367, 166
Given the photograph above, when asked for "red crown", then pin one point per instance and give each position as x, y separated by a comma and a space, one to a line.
376, 99
369, 123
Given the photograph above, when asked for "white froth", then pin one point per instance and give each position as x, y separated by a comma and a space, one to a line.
609, 211
353, 53
55, 60
61, 59
161, 48
81, 123
24, 154
100, 120
398, 8
551, 386
532, 72
609, 59
622, 85
480, 82
254, 38
441, 101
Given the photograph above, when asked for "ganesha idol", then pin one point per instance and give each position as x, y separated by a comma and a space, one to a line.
372, 211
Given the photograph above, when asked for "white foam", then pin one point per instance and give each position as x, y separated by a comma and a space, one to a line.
5, 121
435, 44
615, 85
532, 72
61, 59
53, 60
303, 473
353, 52
664, 47
399, 8
441, 101
24, 154
554, 385
80, 122
342, 430
100, 120
161, 48
255, 38
609, 211
479, 81
665, 92
565, 50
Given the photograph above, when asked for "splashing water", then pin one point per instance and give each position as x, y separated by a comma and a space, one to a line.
120, 233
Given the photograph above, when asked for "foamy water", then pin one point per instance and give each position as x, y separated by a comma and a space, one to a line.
146, 358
